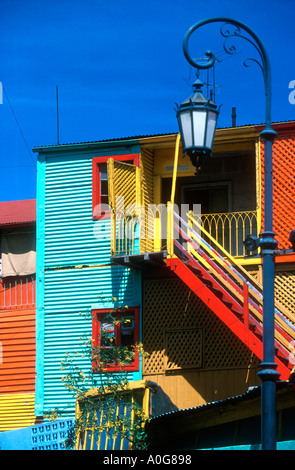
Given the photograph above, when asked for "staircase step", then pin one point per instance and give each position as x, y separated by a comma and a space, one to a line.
217, 292
255, 330
207, 282
226, 308
284, 359
196, 270
229, 304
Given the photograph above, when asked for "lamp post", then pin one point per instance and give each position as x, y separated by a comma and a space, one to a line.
193, 107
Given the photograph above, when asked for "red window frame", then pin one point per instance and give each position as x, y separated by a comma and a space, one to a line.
96, 325
96, 180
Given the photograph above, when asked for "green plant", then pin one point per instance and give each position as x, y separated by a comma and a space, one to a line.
107, 404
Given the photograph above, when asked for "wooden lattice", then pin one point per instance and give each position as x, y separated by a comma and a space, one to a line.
285, 290
171, 316
178, 355
147, 182
283, 188
122, 189
257, 274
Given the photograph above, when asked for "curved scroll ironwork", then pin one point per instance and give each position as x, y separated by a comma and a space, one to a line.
228, 33
237, 33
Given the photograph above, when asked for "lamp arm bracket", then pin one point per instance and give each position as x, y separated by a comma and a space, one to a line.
227, 32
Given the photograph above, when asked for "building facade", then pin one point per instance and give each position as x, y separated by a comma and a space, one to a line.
117, 227
17, 314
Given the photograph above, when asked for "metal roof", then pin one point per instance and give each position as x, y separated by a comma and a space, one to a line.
144, 136
112, 140
17, 212
251, 393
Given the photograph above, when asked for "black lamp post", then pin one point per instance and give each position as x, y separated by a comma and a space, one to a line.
198, 116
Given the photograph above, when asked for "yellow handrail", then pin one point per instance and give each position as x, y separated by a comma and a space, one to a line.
176, 154
247, 276
226, 254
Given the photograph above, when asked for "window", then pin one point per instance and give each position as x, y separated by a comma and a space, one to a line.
114, 334
100, 182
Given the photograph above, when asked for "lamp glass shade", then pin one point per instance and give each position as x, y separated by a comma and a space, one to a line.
199, 118
185, 122
211, 125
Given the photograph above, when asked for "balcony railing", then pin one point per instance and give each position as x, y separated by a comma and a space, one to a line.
17, 292
229, 229
125, 236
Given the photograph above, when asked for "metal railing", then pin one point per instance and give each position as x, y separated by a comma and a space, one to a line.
224, 268
125, 236
17, 292
230, 229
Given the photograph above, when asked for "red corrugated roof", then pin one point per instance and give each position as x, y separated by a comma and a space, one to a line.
18, 212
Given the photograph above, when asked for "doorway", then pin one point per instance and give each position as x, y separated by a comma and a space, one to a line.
214, 197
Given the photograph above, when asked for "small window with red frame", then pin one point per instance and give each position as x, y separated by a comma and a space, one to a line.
115, 340
100, 197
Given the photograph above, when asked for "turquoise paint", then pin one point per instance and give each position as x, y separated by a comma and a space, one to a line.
281, 445
47, 436
73, 268
40, 236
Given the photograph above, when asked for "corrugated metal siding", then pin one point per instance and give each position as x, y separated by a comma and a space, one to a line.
77, 270
17, 364
67, 293
16, 411
68, 213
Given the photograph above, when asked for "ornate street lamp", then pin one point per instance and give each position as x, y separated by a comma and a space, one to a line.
268, 374
197, 119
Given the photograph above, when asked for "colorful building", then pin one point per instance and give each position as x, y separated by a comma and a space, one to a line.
118, 224
17, 314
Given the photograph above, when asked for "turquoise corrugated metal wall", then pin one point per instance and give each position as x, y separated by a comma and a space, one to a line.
73, 269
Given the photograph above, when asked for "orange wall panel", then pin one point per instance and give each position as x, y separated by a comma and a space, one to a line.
18, 351
283, 188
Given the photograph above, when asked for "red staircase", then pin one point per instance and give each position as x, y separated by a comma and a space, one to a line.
231, 293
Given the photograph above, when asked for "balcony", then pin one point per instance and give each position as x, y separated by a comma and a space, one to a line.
17, 292
228, 229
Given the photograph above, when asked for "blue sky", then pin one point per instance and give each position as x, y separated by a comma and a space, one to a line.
120, 69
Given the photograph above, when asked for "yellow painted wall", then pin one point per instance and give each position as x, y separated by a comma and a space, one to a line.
16, 411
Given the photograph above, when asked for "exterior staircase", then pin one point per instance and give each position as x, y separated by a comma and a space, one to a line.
221, 282
228, 290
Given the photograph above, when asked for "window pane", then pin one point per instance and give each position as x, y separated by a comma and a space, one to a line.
127, 338
127, 331
103, 187
107, 332
103, 170
104, 200
127, 322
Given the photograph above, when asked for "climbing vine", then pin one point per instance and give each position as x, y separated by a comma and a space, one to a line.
107, 406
